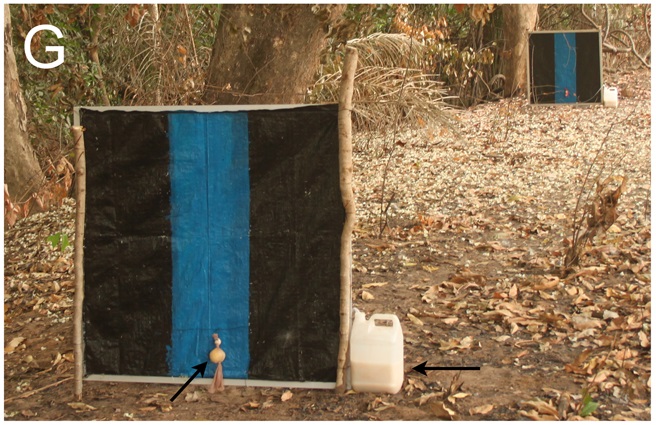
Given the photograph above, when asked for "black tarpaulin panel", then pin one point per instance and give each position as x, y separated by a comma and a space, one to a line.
588, 62
101, 303
127, 314
542, 68
296, 217
565, 67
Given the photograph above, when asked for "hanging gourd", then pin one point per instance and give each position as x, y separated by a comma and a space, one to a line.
217, 355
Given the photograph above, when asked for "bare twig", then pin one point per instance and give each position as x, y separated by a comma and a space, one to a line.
607, 26
191, 33
384, 214
93, 50
153, 9
32, 392
579, 239
383, 210
573, 253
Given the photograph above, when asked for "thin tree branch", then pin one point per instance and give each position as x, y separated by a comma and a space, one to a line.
607, 27
633, 48
93, 51
31, 393
646, 19
608, 47
191, 34
589, 19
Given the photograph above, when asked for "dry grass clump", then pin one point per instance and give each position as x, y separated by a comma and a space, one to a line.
392, 85
158, 57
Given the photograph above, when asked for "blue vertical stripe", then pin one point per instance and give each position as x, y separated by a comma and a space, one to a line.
229, 214
189, 249
209, 233
565, 67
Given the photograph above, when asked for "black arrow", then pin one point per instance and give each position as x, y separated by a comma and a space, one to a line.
422, 368
200, 368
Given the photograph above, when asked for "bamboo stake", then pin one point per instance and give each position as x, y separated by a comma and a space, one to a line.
80, 197
345, 185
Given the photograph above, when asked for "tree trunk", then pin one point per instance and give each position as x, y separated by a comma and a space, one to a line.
267, 54
23, 175
518, 20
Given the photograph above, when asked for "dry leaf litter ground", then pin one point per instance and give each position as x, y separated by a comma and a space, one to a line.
469, 261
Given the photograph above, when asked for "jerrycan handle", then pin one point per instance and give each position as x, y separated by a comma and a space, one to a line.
383, 317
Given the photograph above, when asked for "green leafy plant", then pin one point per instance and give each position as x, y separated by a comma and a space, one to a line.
59, 239
588, 406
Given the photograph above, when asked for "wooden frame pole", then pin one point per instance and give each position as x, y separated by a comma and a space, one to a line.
345, 185
80, 197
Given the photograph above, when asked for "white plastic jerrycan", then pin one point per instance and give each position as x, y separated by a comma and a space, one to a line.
609, 97
376, 349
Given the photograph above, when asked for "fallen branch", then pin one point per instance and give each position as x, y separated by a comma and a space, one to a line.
32, 392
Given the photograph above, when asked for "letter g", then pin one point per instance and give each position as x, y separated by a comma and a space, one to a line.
58, 49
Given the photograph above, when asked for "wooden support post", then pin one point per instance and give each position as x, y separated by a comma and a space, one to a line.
80, 197
345, 185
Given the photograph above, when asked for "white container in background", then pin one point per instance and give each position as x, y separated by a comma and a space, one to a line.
376, 353
610, 97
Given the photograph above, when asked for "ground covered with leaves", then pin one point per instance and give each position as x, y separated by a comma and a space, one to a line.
461, 233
